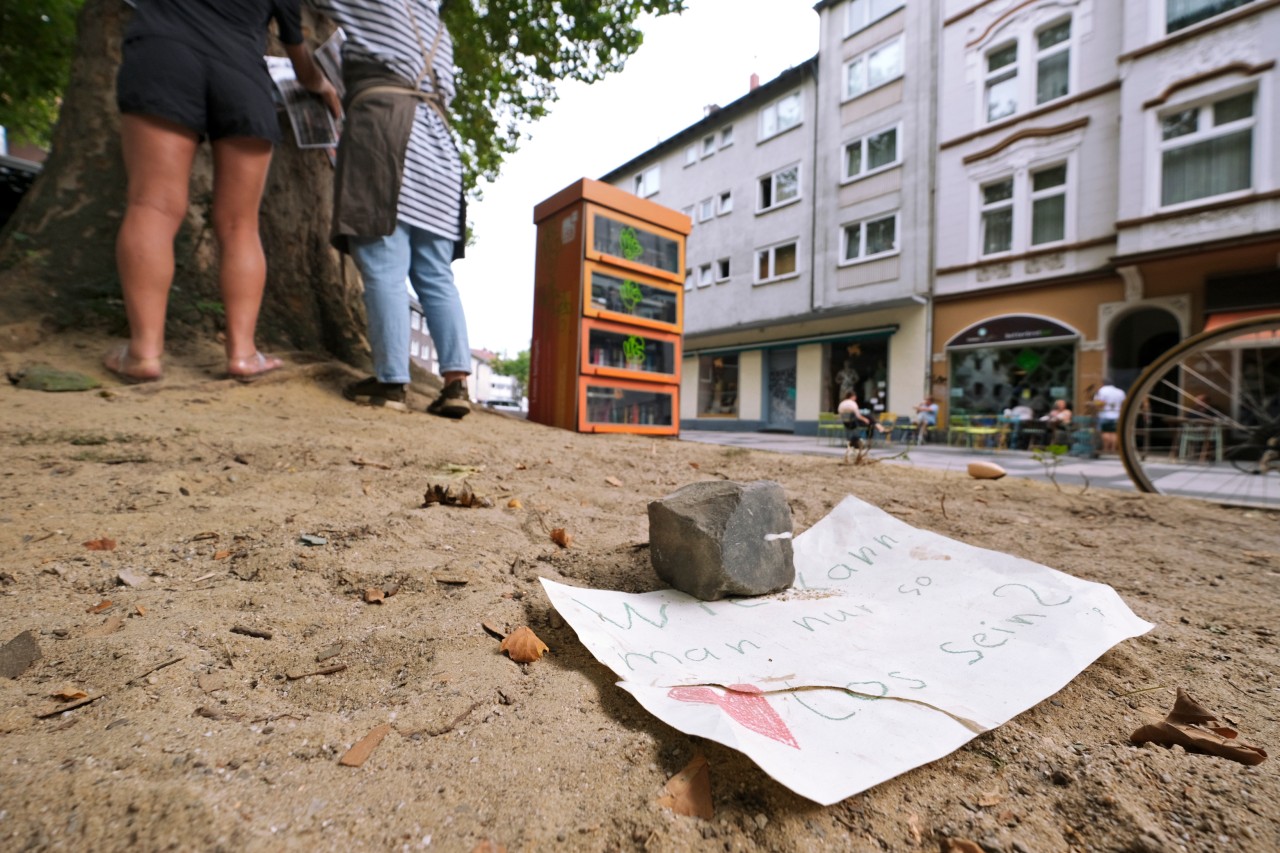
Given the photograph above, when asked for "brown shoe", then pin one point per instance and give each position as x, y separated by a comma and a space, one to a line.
453, 402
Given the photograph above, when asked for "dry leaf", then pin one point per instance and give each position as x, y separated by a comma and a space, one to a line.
515, 503
103, 544
69, 694
694, 465
613, 481
373, 595
221, 555
1197, 729
689, 791
495, 628
140, 610
562, 537
454, 495
114, 623
361, 750
101, 606
523, 646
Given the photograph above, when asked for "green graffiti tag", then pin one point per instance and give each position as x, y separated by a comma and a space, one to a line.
629, 244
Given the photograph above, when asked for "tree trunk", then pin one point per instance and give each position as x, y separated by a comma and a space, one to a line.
57, 253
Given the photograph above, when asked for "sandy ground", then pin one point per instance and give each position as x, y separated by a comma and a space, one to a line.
203, 738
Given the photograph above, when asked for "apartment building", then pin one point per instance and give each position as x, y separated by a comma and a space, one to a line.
999, 202
808, 266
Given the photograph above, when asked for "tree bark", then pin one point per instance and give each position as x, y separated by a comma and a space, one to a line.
57, 253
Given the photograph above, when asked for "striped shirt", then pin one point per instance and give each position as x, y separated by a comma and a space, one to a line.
382, 31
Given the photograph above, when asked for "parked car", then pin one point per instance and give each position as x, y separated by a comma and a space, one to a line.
511, 407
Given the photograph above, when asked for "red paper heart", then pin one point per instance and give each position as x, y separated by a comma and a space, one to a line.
746, 704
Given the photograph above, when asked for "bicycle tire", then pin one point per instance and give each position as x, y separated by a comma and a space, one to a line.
1163, 393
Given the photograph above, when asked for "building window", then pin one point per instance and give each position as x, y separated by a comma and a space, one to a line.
646, 183
1053, 61
871, 153
688, 279
775, 262
704, 275
726, 136
874, 68
1207, 150
781, 115
1180, 14
706, 209
779, 188
708, 145
863, 13
1049, 205
1051, 55
415, 321
414, 349
722, 269
726, 202
717, 385
691, 155
871, 238
997, 217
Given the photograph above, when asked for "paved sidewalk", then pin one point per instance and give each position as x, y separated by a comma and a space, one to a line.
1103, 473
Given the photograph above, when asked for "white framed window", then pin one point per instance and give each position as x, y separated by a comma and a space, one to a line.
726, 203
872, 153
776, 262
782, 114
708, 145
414, 349
704, 275
882, 64
706, 209
869, 239
1180, 14
688, 211
726, 136
1025, 211
997, 216
646, 183
691, 155
862, 13
688, 279
415, 321
722, 270
781, 187
1049, 205
1206, 150
1028, 71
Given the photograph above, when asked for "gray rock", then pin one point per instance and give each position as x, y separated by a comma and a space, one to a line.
18, 654
722, 538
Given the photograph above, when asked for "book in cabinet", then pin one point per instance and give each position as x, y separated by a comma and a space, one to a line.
608, 312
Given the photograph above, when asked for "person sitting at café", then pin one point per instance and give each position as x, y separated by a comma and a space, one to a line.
856, 425
1058, 420
926, 417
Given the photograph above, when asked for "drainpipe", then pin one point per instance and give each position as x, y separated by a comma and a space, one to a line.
813, 183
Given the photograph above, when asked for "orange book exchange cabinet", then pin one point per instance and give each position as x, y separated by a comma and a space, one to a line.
608, 311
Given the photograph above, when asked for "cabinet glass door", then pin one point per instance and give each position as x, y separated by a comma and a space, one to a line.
631, 299
619, 350
624, 406
623, 241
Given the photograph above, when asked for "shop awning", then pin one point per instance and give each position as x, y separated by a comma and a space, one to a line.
1217, 321
879, 333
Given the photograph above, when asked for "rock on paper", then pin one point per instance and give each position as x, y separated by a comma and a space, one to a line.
894, 648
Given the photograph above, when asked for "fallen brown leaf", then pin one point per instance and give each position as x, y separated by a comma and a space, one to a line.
373, 595
68, 694
694, 465
454, 495
103, 544
114, 623
101, 606
515, 503
561, 537
221, 555
1197, 729
140, 610
523, 646
361, 750
689, 791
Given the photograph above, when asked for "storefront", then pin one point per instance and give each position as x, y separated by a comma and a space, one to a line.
1011, 360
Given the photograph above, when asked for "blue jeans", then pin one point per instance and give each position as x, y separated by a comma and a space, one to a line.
425, 259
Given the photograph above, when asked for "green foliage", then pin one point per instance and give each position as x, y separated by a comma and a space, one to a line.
37, 41
517, 367
511, 54
1051, 457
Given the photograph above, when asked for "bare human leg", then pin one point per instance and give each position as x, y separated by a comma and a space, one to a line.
240, 167
157, 157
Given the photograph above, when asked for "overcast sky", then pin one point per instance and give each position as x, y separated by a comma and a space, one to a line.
705, 56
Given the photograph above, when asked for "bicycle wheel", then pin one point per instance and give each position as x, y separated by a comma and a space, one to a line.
1194, 418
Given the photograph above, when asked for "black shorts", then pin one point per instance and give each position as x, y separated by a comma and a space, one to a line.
167, 79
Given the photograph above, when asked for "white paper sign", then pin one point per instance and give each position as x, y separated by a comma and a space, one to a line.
894, 648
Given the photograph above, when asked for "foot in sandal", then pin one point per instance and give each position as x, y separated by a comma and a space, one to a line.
130, 369
253, 367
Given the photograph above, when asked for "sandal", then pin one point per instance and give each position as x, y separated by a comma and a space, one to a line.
128, 369
252, 368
